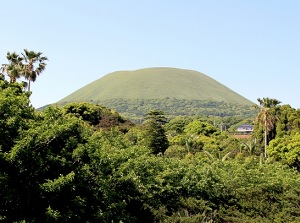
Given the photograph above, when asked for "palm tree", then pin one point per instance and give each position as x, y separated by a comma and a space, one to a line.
250, 147
35, 65
265, 117
212, 158
14, 68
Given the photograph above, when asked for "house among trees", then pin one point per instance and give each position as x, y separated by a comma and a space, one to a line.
245, 128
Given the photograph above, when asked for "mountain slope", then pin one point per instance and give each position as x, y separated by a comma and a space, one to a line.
156, 83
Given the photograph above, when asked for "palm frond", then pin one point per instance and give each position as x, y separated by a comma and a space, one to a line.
209, 155
226, 156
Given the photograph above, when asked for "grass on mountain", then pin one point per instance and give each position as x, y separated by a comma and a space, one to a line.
156, 83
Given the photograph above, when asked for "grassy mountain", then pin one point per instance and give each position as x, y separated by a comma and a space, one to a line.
156, 83
130, 91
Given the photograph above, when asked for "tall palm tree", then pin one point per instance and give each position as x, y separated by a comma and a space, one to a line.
265, 117
14, 68
35, 65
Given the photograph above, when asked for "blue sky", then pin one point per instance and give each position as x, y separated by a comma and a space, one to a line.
252, 47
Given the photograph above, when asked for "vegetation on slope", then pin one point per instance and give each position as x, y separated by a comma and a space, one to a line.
156, 83
175, 91
136, 109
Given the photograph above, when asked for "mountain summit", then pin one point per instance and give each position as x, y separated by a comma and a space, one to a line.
156, 83
177, 92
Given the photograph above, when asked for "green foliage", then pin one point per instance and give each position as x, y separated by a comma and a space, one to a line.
177, 124
156, 116
97, 115
52, 215
288, 120
200, 136
155, 136
14, 68
55, 166
44, 169
30, 65
136, 135
250, 186
15, 113
34, 65
58, 183
249, 146
200, 128
85, 111
176, 151
286, 149
136, 109
287, 123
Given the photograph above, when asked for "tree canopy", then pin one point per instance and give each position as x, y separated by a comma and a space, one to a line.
86, 163
266, 118
29, 65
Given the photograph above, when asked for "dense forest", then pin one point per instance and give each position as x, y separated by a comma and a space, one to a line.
85, 163
136, 109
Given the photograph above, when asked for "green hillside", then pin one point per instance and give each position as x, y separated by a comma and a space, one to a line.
175, 91
156, 83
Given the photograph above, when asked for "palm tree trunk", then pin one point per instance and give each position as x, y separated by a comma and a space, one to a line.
28, 84
266, 138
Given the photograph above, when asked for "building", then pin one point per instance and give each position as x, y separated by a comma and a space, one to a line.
245, 128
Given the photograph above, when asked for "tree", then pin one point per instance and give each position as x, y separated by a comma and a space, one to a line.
250, 146
35, 65
16, 117
288, 121
85, 111
45, 183
15, 113
14, 68
156, 138
286, 149
157, 116
201, 128
266, 118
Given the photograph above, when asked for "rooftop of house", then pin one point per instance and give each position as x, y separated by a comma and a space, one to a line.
245, 126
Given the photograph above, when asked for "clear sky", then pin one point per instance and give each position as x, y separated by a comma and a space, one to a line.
252, 47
